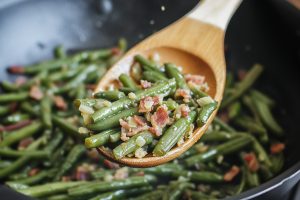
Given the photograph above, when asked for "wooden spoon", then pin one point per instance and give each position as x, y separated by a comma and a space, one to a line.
195, 42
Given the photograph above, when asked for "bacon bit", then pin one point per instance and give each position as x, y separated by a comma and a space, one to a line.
196, 79
251, 161
121, 173
24, 143
159, 120
35, 92
33, 172
156, 131
124, 124
93, 155
16, 69
116, 51
141, 173
13, 106
91, 86
242, 74
81, 174
140, 121
277, 148
111, 165
185, 110
21, 80
231, 174
60, 103
145, 84
15, 126
66, 178
185, 94
147, 103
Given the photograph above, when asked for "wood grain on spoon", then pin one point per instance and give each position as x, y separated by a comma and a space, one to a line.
195, 42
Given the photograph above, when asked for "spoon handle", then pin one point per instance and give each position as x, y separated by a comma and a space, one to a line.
215, 12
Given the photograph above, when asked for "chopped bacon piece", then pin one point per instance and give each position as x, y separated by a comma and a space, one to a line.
35, 92
145, 84
21, 80
156, 131
16, 69
159, 120
111, 165
93, 154
124, 124
66, 178
252, 162
197, 79
242, 74
13, 106
185, 94
121, 173
15, 126
81, 173
33, 171
60, 103
24, 143
116, 51
140, 121
182, 111
277, 148
147, 103
233, 172
140, 173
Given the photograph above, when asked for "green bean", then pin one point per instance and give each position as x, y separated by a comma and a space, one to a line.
37, 178
59, 197
198, 93
110, 95
131, 145
76, 152
120, 194
127, 183
122, 44
115, 137
127, 90
234, 110
4, 110
267, 117
262, 97
97, 75
127, 81
4, 163
250, 125
242, 183
218, 136
46, 112
205, 112
277, 163
28, 108
65, 127
223, 149
153, 76
99, 139
13, 97
244, 85
59, 52
50, 188
88, 102
153, 195
73, 83
112, 121
252, 179
223, 125
101, 174
20, 162
171, 104
173, 72
6, 152
66, 74
196, 195
19, 134
173, 134
163, 88
146, 64
9, 87
176, 190
16, 186
15, 118
265, 172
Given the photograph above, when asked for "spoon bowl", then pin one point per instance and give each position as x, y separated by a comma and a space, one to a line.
196, 43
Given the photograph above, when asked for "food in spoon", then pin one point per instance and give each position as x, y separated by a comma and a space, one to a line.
242, 149
160, 111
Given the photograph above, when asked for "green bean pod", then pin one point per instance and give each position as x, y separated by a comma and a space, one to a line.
205, 112
99, 139
110, 95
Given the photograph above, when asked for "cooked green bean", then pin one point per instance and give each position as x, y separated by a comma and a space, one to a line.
132, 144
205, 112
128, 82
173, 134
110, 95
46, 112
100, 139
6, 152
13, 97
146, 64
173, 72
153, 76
15, 118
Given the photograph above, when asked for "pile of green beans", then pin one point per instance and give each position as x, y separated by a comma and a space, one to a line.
43, 156
163, 82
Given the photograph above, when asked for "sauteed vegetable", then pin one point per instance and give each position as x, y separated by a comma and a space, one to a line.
42, 153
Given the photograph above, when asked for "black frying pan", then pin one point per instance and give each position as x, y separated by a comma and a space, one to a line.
260, 31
